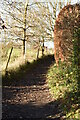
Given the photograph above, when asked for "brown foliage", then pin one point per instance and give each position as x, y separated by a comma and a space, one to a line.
68, 20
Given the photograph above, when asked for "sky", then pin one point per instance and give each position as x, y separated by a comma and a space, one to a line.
49, 44
72, 2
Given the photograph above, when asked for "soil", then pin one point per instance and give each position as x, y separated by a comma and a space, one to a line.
30, 97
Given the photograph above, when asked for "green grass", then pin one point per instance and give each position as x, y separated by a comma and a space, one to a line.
64, 87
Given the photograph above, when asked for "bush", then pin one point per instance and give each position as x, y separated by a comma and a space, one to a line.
68, 20
64, 81
63, 85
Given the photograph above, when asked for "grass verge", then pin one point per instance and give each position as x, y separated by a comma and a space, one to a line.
14, 75
64, 87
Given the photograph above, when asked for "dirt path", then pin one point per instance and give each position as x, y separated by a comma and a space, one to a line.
30, 96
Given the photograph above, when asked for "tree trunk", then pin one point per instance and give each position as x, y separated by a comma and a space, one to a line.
24, 41
24, 47
43, 48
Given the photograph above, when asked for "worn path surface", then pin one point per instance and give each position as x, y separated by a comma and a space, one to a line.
30, 96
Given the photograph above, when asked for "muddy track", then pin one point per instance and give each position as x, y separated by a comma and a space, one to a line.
30, 96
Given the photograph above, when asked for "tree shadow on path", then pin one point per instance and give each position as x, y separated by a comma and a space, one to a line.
27, 95
30, 110
30, 73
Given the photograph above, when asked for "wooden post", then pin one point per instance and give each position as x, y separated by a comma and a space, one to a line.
43, 48
38, 53
9, 59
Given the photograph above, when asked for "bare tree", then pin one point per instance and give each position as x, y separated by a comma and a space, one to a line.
17, 12
31, 21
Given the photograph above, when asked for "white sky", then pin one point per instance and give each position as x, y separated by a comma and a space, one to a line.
72, 2
75, 1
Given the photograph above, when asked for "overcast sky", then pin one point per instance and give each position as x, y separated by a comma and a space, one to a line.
72, 1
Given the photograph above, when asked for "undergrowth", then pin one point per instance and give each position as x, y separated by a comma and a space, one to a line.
63, 85
64, 82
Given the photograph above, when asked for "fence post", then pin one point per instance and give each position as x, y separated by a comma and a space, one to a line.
8, 59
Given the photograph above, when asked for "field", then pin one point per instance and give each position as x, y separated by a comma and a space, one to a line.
17, 58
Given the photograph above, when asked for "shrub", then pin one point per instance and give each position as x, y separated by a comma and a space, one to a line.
64, 81
67, 22
63, 85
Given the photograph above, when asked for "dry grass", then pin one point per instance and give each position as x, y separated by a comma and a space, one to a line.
17, 58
